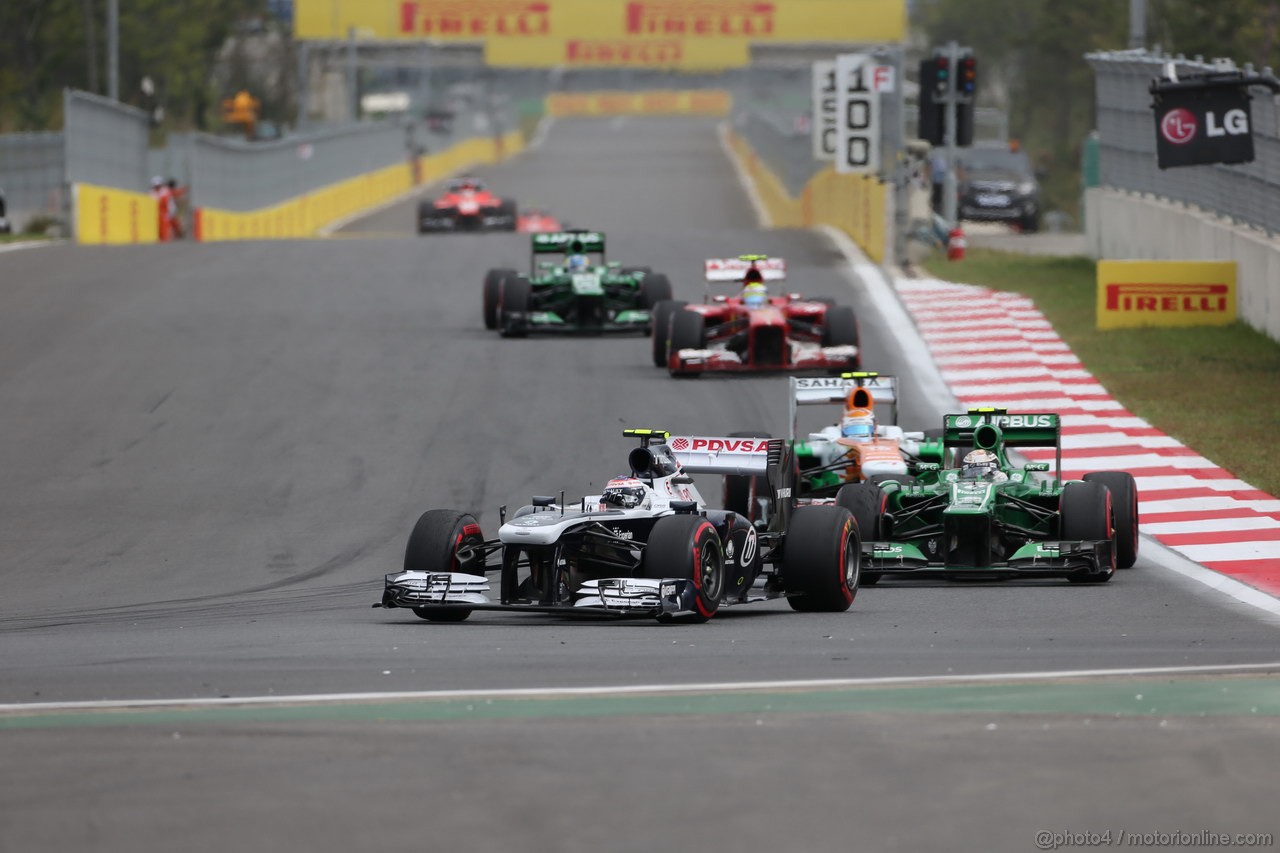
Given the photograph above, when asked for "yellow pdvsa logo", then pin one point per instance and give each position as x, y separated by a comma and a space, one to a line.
1166, 293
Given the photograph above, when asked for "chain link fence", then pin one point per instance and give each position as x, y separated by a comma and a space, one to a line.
1248, 193
32, 169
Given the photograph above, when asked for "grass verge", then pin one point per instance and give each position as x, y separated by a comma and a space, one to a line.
1214, 388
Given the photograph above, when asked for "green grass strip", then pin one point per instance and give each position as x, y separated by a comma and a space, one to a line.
1129, 697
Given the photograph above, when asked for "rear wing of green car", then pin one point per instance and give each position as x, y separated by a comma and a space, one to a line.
569, 242
996, 429
819, 390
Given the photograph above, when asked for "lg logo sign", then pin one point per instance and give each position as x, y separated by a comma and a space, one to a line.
1179, 125
1202, 120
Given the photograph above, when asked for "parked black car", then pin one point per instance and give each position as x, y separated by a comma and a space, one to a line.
998, 185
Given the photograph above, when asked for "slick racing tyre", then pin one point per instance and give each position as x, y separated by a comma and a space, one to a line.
513, 307
660, 320
1085, 515
507, 210
822, 559
1124, 503
688, 331
687, 547
841, 328
654, 288
741, 491
867, 503
493, 294
442, 541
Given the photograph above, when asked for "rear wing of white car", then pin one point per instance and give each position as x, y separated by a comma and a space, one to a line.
705, 454
733, 269
819, 390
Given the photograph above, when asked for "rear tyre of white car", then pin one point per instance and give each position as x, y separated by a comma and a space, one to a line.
867, 503
442, 541
822, 561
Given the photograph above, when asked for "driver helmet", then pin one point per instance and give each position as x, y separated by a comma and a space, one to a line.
577, 263
981, 465
858, 424
625, 493
755, 295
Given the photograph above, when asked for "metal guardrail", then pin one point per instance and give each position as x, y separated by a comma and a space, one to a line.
1247, 193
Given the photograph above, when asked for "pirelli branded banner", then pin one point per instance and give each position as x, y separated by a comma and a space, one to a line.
644, 33
1166, 293
710, 102
673, 53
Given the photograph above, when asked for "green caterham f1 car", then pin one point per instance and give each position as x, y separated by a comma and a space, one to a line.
581, 293
996, 519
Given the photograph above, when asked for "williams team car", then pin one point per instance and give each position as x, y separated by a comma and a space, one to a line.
753, 331
466, 206
989, 518
582, 293
646, 546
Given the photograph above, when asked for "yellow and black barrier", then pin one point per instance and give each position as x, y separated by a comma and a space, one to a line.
856, 204
304, 215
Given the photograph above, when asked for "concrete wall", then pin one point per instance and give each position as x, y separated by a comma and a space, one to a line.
1126, 226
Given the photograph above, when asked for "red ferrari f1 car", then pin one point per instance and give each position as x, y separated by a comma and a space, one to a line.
754, 331
466, 206
535, 220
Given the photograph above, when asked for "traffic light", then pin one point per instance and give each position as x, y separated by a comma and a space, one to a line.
935, 76
966, 95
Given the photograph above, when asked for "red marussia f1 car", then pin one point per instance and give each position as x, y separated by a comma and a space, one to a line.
535, 220
754, 331
466, 206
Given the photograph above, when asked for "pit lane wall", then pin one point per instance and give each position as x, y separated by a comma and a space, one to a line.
306, 214
1127, 226
856, 204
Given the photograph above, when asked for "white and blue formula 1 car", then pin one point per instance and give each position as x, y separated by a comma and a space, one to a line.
648, 545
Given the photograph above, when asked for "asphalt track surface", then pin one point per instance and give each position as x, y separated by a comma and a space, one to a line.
212, 453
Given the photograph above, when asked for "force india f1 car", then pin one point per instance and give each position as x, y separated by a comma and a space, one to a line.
865, 444
466, 206
999, 523
582, 294
753, 331
646, 546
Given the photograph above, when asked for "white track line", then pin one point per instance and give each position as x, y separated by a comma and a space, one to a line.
27, 244
637, 689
